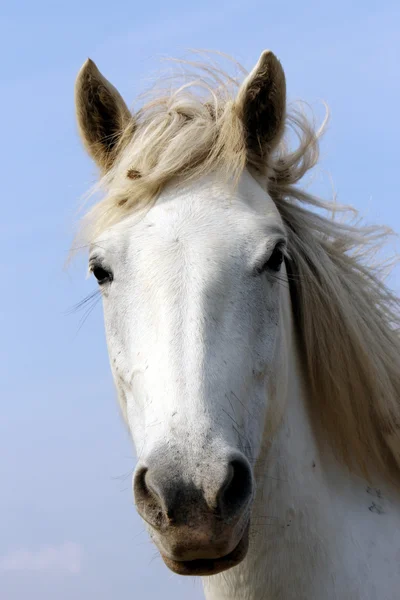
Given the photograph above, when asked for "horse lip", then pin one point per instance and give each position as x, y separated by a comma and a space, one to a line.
210, 566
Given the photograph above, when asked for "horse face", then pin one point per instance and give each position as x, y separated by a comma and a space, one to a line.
191, 293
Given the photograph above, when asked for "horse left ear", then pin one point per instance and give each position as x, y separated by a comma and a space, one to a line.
261, 104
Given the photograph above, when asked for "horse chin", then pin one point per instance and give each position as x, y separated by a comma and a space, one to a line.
210, 566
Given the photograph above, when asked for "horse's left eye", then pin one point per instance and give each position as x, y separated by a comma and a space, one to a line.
275, 261
101, 274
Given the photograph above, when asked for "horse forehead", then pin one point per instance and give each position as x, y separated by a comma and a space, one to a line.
213, 214
189, 220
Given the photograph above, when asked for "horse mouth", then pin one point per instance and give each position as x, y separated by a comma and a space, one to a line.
210, 566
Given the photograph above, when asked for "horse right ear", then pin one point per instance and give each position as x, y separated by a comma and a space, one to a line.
261, 104
102, 115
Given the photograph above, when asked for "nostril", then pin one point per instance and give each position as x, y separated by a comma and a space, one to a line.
146, 498
140, 488
237, 487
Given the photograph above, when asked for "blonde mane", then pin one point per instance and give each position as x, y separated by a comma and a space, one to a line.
347, 320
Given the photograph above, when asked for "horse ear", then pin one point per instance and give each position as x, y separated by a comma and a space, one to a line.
261, 104
102, 115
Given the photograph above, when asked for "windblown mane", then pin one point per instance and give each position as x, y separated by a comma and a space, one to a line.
347, 320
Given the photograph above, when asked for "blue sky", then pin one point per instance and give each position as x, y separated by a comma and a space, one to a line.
69, 528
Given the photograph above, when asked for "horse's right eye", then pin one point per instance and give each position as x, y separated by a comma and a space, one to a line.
101, 274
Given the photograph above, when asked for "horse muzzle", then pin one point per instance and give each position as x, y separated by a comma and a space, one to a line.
199, 521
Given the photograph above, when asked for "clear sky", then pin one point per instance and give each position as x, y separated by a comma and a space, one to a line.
68, 526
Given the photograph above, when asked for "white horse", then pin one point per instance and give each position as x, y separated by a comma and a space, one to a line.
254, 348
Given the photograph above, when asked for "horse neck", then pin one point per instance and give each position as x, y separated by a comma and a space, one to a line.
307, 507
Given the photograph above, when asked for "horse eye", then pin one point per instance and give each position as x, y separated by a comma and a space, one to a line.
101, 274
275, 261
